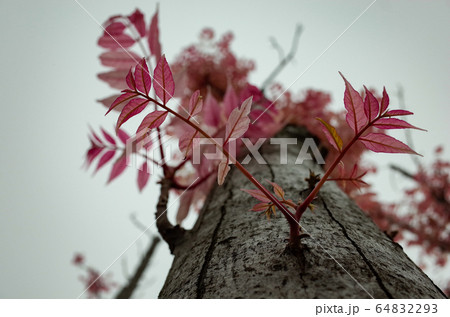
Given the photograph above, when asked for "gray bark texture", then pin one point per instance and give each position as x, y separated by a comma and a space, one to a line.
234, 253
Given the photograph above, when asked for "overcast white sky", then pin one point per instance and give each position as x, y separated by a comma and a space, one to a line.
51, 208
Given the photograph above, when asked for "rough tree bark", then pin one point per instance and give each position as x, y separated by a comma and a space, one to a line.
234, 253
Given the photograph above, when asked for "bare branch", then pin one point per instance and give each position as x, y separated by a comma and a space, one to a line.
284, 60
402, 171
277, 47
128, 290
170, 233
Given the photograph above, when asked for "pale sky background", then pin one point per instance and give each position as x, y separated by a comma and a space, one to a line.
51, 208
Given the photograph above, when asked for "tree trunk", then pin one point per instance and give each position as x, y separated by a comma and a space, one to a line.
235, 253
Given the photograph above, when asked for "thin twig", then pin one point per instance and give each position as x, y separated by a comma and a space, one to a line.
139, 224
133, 282
277, 47
402, 171
286, 59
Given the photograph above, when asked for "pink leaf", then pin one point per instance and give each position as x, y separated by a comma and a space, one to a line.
151, 121
187, 141
131, 83
132, 108
121, 59
115, 28
105, 159
163, 81
92, 153
230, 100
137, 18
108, 101
153, 37
185, 204
211, 113
260, 207
108, 137
116, 42
393, 123
114, 78
384, 101
143, 176
371, 106
279, 192
119, 166
142, 77
399, 112
331, 134
222, 172
195, 104
122, 100
123, 136
256, 193
96, 138
379, 142
356, 117
238, 121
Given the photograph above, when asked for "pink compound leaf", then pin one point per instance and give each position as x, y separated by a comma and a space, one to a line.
382, 143
356, 117
133, 108
142, 77
163, 82
143, 176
